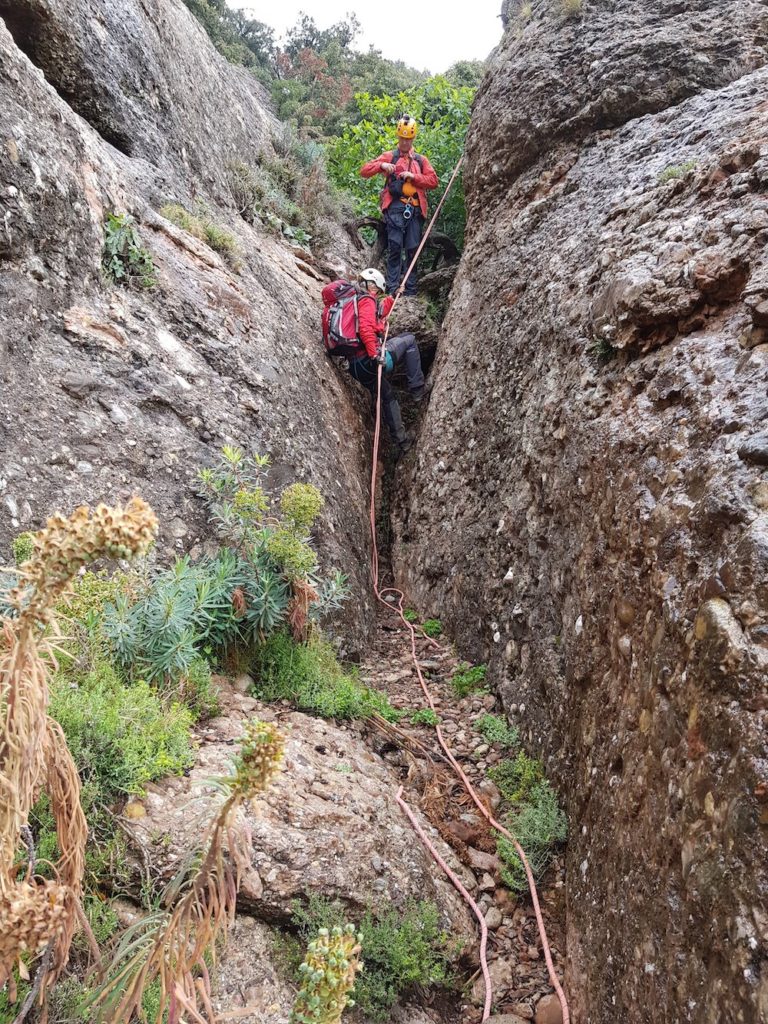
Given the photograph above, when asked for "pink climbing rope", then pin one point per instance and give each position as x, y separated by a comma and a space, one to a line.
398, 609
460, 887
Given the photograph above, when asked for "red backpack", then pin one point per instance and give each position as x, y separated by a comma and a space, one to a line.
340, 320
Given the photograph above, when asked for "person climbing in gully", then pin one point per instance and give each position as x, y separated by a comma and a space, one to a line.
354, 323
403, 201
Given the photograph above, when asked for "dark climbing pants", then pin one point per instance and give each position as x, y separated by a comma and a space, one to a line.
403, 349
403, 236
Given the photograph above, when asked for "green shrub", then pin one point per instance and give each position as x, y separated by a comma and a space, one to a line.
301, 504
310, 676
22, 547
424, 716
676, 171
401, 950
468, 678
571, 8
124, 259
185, 613
221, 241
539, 825
106, 864
516, 779
410, 615
68, 1003
203, 611
496, 730
120, 736
432, 627
102, 918
295, 557
283, 196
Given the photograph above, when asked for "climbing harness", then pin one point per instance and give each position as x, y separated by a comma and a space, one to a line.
394, 602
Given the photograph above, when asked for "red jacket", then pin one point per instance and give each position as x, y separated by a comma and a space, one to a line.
370, 327
422, 179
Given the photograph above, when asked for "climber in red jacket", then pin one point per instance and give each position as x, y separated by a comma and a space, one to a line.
403, 201
373, 309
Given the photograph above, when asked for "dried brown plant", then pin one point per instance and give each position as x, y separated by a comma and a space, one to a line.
173, 947
36, 914
303, 595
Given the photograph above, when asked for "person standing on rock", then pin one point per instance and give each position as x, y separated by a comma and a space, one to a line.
403, 201
366, 351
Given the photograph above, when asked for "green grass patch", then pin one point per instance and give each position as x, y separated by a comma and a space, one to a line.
497, 731
203, 227
468, 678
410, 615
675, 171
401, 950
432, 627
424, 716
602, 351
310, 677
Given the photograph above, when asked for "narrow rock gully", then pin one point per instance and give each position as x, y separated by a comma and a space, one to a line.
520, 982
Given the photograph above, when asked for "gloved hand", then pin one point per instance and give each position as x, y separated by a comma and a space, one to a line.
385, 360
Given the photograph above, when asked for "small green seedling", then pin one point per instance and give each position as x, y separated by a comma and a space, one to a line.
424, 716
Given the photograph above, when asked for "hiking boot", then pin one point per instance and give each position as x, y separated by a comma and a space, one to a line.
421, 393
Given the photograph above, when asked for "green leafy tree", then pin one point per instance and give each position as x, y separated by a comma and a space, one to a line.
305, 35
442, 111
467, 73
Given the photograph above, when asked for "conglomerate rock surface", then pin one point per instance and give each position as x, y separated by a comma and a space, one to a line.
588, 509
328, 825
105, 390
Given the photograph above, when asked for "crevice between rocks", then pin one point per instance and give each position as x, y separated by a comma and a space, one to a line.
35, 34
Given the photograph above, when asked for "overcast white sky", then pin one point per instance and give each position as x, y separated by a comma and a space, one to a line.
426, 34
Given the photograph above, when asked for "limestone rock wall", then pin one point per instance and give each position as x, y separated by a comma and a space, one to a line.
588, 510
104, 390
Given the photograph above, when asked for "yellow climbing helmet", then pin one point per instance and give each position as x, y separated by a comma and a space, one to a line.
406, 127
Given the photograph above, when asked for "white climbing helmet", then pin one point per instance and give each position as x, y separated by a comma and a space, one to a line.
372, 274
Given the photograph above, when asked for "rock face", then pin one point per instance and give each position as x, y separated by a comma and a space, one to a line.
588, 509
329, 824
109, 390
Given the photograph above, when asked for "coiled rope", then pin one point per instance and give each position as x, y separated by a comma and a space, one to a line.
396, 606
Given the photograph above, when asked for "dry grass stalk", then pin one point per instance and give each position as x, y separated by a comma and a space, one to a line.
173, 947
33, 751
63, 788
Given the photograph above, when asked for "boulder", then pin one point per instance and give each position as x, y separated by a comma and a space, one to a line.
328, 825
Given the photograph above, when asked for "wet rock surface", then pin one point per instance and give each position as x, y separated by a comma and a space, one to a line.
106, 391
586, 508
